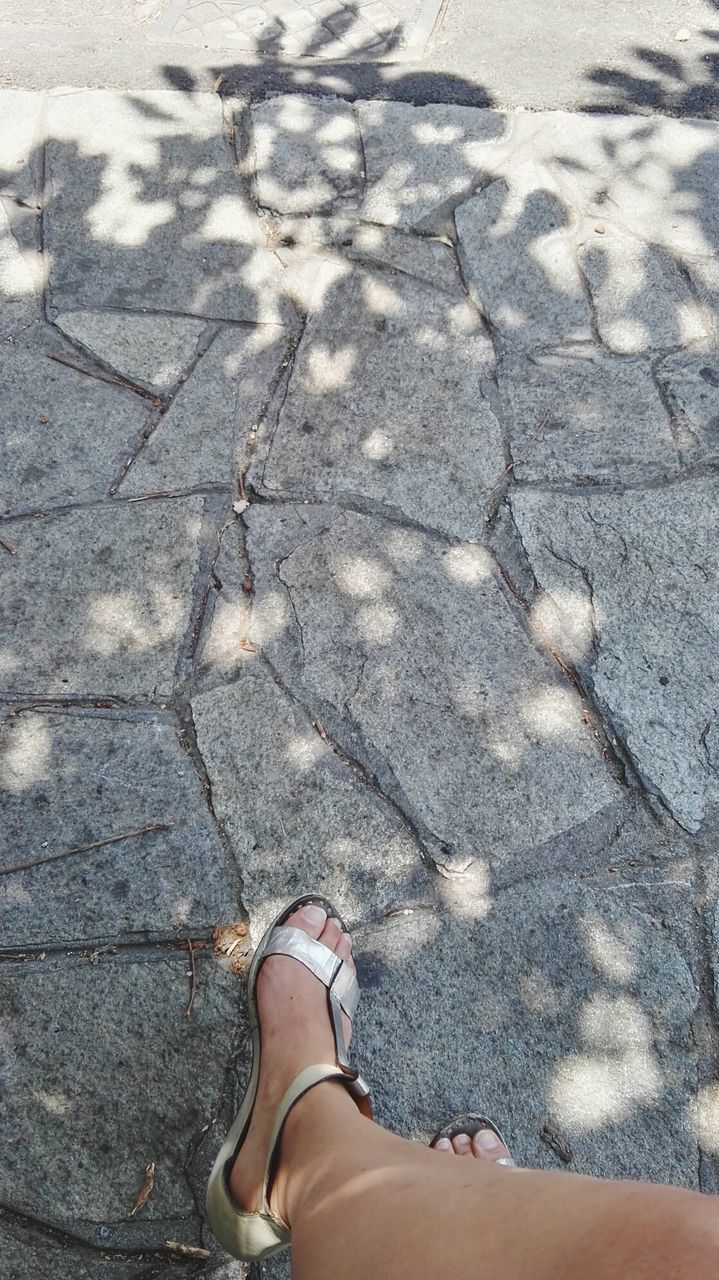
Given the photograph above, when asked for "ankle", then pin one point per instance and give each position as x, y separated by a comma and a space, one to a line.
317, 1130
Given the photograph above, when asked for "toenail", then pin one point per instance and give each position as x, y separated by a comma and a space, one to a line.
443, 1144
488, 1141
314, 914
462, 1140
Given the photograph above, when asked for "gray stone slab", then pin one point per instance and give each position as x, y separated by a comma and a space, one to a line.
583, 415
104, 1063
20, 139
67, 432
519, 260
704, 275
298, 817
99, 600
158, 187
408, 648
654, 177
421, 161
607, 1059
691, 385
68, 780
425, 258
225, 644
19, 305
388, 401
152, 350
201, 439
641, 299
307, 152
629, 586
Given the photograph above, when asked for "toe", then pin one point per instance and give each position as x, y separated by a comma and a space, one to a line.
487, 1146
344, 948
462, 1144
443, 1144
331, 933
311, 918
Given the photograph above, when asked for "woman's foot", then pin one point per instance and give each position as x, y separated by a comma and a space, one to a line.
484, 1145
296, 1032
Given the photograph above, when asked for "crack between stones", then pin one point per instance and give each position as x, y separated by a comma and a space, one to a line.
187, 736
421, 836
95, 950
48, 511
359, 505
204, 342
282, 389
284, 370
22, 1219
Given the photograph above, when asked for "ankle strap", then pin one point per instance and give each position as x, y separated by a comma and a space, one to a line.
302, 1083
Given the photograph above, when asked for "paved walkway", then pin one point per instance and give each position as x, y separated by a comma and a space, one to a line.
360, 533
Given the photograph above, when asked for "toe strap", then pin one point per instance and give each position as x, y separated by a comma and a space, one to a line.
320, 960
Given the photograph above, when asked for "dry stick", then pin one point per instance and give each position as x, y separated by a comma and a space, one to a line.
102, 377
511, 465
193, 983
85, 848
8, 546
187, 1250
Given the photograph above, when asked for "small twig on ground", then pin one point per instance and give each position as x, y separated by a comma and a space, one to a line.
319, 727
193, 978
145, 497
85, 848
8, 546
219, 81
509, 582
567, 670
187, 1250
243, 491
143, 1194
103, 377
522, 457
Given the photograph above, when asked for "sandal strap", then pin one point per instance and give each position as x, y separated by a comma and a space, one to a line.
302, 1083
337, 976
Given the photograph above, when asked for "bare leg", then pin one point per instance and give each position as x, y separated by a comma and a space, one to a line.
361, 1201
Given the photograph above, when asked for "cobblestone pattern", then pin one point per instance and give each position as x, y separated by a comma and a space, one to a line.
358, 533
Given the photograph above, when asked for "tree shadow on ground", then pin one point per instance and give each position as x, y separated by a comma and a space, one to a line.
316, 320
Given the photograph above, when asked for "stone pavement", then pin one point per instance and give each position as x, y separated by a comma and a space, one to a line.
359, 533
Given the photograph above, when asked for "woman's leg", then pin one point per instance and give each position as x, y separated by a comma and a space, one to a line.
361, 1201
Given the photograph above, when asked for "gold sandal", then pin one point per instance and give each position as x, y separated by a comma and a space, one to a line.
254, 1236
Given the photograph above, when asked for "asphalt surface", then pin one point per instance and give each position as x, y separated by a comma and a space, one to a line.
576, 54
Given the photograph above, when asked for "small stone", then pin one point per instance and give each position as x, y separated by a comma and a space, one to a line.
629, 594
93, 423
98, 601
201, 439
240, 505
641, 298
299, 818
169, 195
411, 646
168, 1073
388, 399
137, 888
152, 350
422, 160
579, 416
307, 153
683, 34
519, 261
